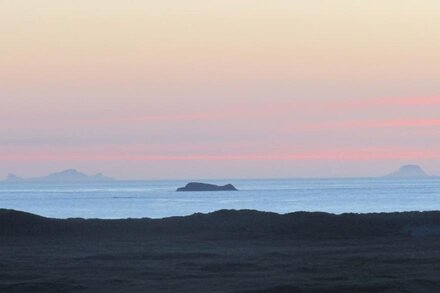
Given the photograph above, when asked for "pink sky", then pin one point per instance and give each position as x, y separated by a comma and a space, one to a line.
246, 89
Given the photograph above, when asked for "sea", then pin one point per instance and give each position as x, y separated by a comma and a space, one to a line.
159, 199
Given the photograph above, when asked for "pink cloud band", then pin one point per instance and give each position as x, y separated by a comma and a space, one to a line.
343, 155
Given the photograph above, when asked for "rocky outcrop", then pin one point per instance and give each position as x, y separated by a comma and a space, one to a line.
409, 171
195, 186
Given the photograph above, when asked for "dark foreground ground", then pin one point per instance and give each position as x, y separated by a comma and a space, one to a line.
226, 251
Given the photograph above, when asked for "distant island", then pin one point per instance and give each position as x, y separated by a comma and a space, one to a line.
70, 175
196, 186
409, 171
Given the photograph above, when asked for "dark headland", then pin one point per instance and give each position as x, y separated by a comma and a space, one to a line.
224, 251
196, 186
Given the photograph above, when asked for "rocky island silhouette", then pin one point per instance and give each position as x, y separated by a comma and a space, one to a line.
408, 172
69, 175
197, 186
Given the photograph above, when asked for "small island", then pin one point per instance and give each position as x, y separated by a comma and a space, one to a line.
408, 172
70, 175
196, 186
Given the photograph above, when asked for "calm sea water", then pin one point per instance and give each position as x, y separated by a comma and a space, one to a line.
157, 199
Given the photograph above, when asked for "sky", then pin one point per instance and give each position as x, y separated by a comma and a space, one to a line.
219, 89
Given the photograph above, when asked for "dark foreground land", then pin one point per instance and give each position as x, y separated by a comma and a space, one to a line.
226, 251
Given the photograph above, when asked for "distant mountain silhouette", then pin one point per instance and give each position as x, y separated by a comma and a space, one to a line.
195, 186
70, 175
409, 171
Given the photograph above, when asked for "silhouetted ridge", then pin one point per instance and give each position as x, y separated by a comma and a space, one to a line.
230, 223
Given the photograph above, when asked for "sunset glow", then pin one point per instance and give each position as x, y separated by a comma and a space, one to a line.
185, 89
